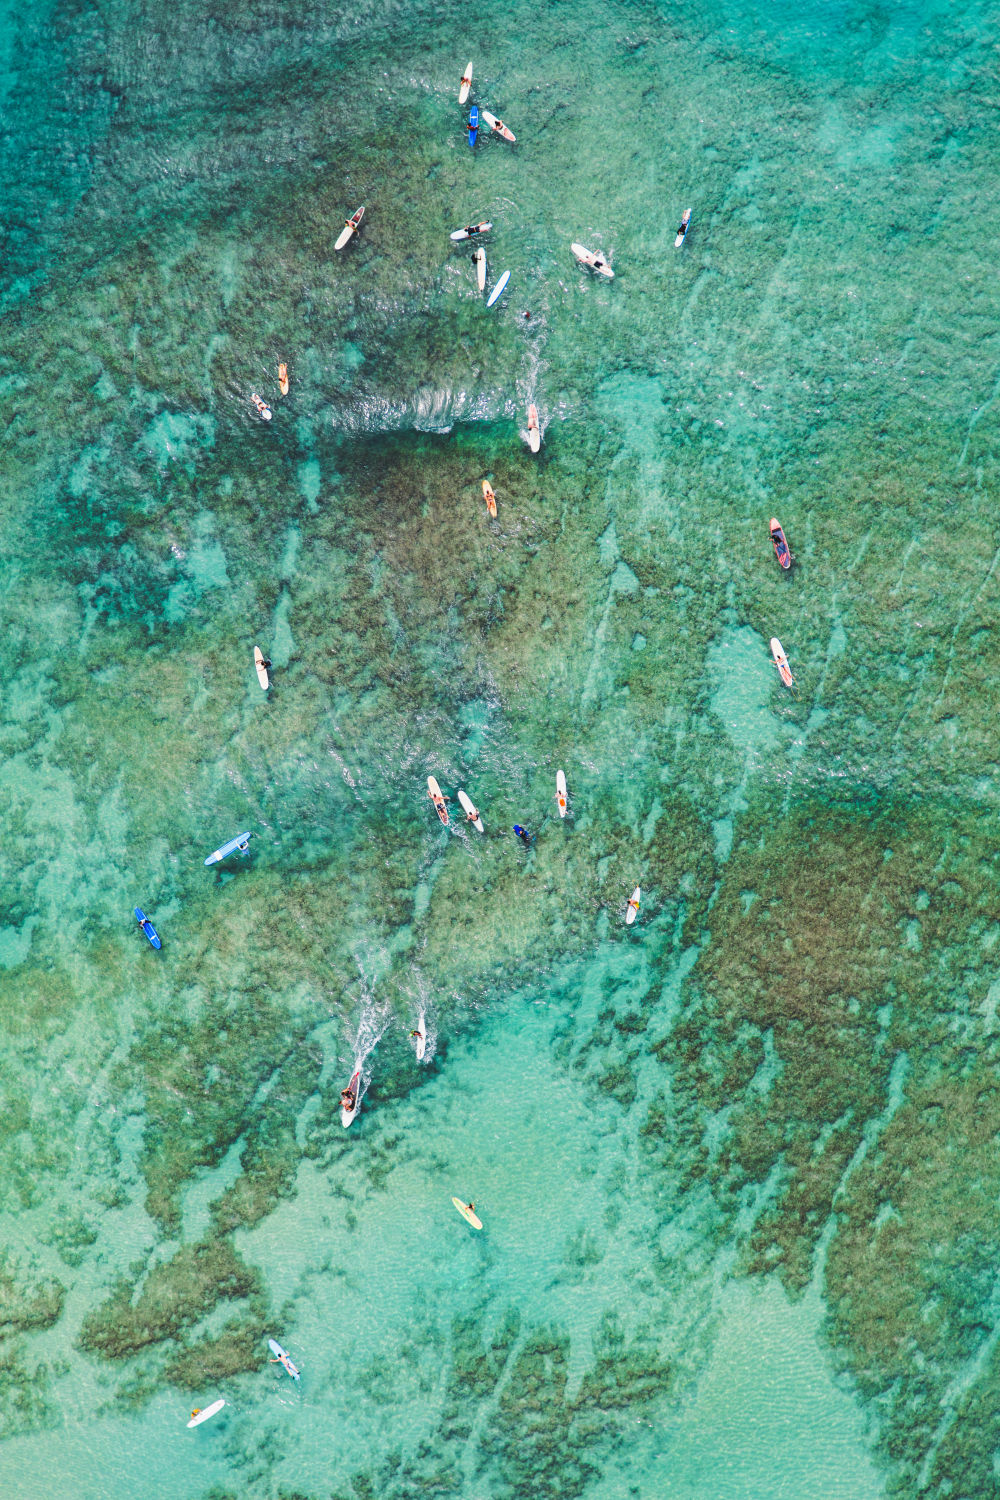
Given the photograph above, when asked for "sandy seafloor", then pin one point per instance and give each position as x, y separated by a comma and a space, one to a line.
737, 1165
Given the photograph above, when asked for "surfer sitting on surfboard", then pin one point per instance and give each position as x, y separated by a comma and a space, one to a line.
348, 1099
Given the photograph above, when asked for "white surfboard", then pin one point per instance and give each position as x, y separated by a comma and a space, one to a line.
471, 229
350, 228
420, 1040
595, 262
633, 906
534, 431
471, 812
682, 229
197, 1416
258, 661
498, 125
500, 287
480, 259
347, 1115
781, 662
561, 792
434, 793
463, 92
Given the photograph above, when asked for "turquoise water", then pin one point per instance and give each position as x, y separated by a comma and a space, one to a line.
735, 1164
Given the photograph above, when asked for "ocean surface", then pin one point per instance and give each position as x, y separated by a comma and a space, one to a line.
736, 1164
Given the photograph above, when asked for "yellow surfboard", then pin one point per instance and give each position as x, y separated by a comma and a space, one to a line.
465, 1209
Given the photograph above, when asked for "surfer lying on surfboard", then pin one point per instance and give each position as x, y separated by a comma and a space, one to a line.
348, 1099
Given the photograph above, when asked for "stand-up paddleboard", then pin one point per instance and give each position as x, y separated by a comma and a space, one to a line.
420, 1037
534, 431
283, 379
497, 125
633, 906
500, 287
588, 258
473, 124
283, 1358
350, 227
682, 229
781, 662
240, 842
258, 661
465, 86
348, 1109
781, 551
434, 793
465, 1209
561, 792
471, 812
471, 229
490, 498
263, 410
198, 1416
147, 926
480, 261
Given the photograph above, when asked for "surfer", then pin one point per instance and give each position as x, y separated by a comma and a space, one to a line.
523, 835
266, 662
195, 1413
348, 1099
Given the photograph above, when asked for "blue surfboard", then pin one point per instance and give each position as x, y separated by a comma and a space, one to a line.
240, 842
499, 289
147, 926
283, 1358
473, 124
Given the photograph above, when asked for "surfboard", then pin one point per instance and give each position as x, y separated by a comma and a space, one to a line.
490, 498
420, 1040
471, 812
465, 1209
258, 661
473, 125
346, 1116
349, 228
682, 229
240, 842
534, 432
471, 229
497, 125
147, 926
781, 662
633, 907
465, 86
263, 410
500, 287
434, 792
595, 262
283, 379
283, 1357
480, 259
198, 1416
780, 545
561, 792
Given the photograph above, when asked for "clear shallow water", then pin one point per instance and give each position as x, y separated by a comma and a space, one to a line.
735, 1165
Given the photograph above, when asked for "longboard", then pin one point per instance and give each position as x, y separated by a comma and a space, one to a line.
466, 84
434, 793
534, 432
682, 229
347, 1115
283, 1358
490, 498
147, 926
780, 545
258, 661
473, 125
501, 285
198, 1416
561, 792
633, 907
595, 262
480, 259
471, 812
497, 125
349, 228
283, 379
471, 229
465, 1209
781, 662
240, 842
420, 1040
